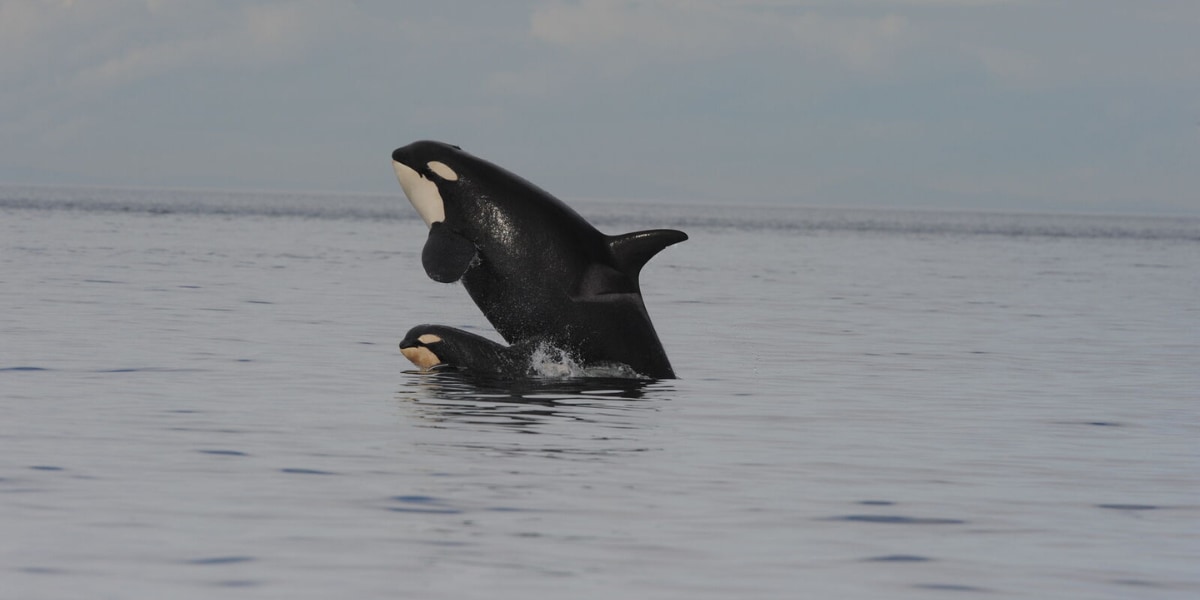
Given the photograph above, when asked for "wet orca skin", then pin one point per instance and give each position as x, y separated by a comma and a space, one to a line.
537, 270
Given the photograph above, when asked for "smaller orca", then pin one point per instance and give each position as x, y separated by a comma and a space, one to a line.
439, 347
432, 347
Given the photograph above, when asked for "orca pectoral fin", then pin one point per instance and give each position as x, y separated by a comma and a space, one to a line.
632, 251
446, 255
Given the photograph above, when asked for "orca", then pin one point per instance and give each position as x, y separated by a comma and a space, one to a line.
539, 272
435, 346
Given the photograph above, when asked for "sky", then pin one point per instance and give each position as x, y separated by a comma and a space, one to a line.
1058, 106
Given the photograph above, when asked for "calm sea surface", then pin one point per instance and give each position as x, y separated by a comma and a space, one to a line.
201, 396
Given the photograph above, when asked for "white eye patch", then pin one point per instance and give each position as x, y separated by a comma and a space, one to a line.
443, 170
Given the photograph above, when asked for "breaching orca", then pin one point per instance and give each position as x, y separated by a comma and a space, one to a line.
540, 273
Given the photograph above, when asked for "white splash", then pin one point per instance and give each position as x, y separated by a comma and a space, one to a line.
547, 360
552, 362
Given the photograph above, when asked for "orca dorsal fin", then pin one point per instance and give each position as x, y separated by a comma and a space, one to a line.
632, 251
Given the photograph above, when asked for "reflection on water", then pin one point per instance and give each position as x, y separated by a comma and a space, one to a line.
441, 396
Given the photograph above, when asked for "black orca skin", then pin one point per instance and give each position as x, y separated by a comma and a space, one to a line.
537, 270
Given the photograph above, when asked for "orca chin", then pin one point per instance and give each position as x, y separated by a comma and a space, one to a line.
541, 274
421, 192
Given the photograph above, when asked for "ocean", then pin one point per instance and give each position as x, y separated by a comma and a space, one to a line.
201, 396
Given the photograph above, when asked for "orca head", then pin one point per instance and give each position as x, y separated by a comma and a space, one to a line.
421, 349
429, 173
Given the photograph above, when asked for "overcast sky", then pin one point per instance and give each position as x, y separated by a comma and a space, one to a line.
1079, 106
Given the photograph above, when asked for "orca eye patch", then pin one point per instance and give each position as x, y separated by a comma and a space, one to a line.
442, 170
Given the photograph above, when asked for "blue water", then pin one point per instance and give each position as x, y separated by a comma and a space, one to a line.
201, 396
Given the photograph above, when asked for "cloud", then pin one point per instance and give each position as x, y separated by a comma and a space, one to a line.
621, 34
62, 63
821, 100
90, 45
1013, 42
252, 36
